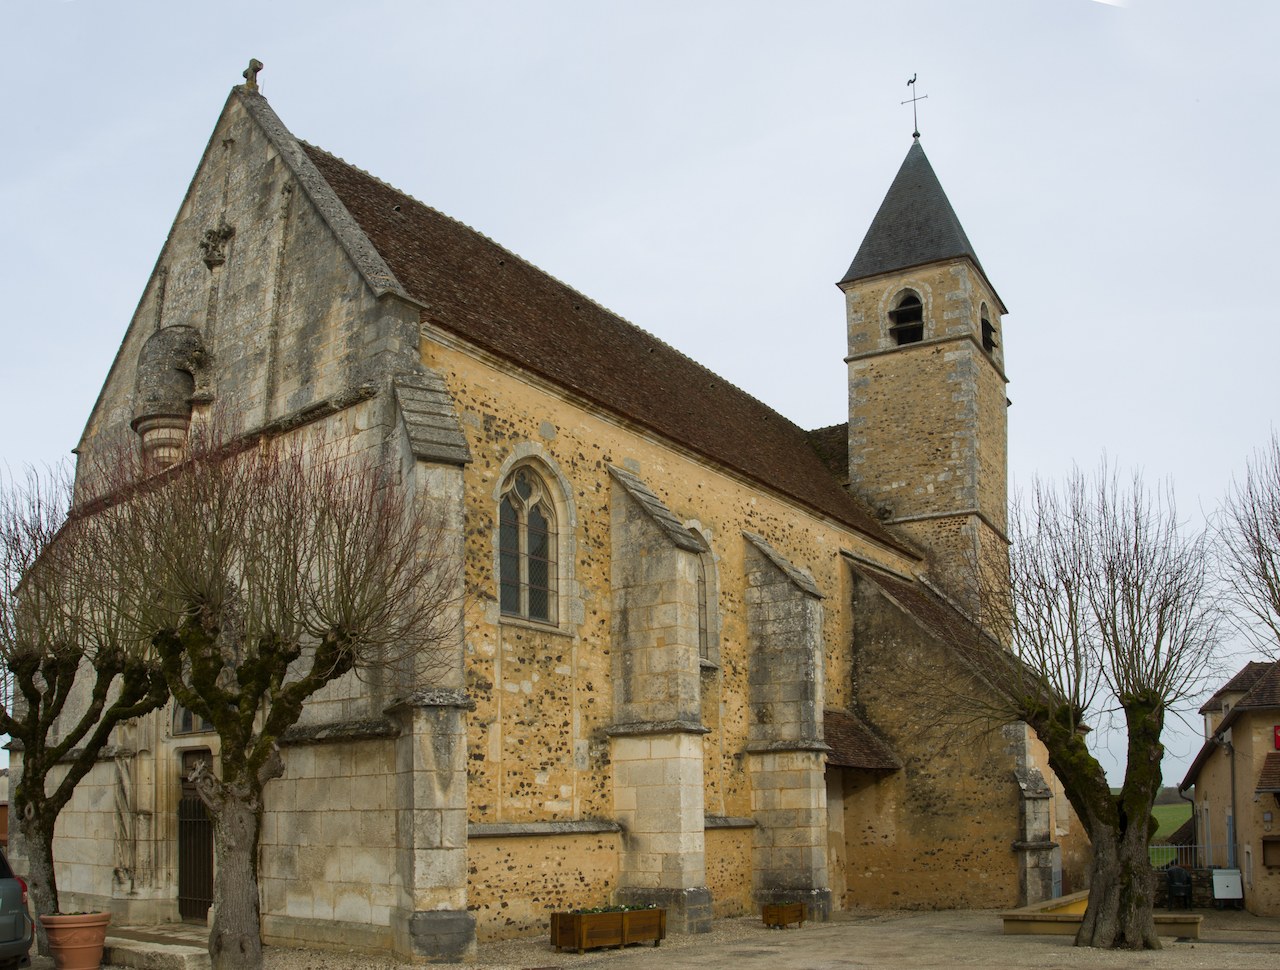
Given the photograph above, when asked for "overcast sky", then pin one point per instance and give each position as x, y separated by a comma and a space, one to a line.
707, 170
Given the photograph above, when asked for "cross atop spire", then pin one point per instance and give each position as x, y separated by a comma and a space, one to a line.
915, 122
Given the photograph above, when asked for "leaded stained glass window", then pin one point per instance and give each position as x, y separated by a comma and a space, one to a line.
527, 548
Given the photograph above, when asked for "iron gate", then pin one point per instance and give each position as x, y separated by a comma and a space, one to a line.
195, 848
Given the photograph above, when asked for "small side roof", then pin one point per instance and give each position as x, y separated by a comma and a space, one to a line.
854, 745
1269, 776
914, 225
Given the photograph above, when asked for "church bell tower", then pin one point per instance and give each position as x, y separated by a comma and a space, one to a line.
927, 407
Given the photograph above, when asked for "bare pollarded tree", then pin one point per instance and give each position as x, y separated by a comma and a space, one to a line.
1249, 526
266, 569
1108, 608
75, 664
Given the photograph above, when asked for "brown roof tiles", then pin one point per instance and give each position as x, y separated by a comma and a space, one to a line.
1244, 679
498, 302
853, 745
1269, 777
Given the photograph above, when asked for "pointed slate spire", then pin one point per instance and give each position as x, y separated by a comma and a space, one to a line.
915, 224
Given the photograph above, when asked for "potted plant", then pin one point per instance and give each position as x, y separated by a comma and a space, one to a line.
589, 929
778, 915
76, 939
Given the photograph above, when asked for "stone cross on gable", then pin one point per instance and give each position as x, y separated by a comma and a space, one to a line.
251, 74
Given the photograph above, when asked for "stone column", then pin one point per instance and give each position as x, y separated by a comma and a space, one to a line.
430, 923
785, 751
656, 746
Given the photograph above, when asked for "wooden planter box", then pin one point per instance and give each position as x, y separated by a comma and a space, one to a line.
589, 931
778, 915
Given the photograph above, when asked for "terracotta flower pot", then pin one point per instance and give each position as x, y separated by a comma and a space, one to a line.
75, 941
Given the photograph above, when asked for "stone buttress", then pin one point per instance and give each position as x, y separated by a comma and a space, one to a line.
656, 738
785, 750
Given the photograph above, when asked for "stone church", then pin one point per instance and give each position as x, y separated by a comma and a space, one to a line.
688, 667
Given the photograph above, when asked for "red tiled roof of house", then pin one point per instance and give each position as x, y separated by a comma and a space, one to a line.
1261, 683
854, 745
1265, 691
496, 301
1244, 679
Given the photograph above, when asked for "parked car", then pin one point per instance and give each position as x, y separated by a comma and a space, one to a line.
16, 928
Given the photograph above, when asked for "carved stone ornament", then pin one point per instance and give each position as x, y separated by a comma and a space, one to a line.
214, 244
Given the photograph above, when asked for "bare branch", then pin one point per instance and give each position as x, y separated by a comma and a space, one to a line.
1249, 531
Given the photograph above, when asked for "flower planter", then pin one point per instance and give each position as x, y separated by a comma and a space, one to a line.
76, 940
778, 915
589, 931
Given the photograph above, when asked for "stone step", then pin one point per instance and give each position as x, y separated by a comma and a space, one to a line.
152, 955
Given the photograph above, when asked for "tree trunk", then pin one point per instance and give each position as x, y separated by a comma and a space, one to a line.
235, 939
1120, 912
42, 883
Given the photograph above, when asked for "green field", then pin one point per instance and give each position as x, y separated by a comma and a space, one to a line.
1170, 816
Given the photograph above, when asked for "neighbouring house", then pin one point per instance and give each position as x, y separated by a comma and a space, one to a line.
691, 666
1236, 777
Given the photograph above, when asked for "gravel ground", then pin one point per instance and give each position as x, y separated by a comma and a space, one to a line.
865, 940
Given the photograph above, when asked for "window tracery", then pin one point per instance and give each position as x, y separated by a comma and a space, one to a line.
527, 548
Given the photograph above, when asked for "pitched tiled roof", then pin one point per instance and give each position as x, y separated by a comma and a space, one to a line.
1244, 679
1261, 683
854, 745
1265, 691
496, 301
914, 225
1269, 777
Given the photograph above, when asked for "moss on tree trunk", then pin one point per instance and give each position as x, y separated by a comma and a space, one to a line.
1120, 912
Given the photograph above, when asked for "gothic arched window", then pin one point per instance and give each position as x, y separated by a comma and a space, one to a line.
527, 548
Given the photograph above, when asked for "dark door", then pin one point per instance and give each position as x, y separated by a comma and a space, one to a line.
195, 846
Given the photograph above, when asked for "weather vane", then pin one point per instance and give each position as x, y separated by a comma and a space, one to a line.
915, 122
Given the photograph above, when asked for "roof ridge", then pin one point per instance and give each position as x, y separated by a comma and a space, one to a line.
568, 286
827, 427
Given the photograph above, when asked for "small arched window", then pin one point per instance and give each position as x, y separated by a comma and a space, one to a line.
988, 331
527, 548
906, 320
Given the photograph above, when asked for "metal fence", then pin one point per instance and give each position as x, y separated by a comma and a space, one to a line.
1207, 856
